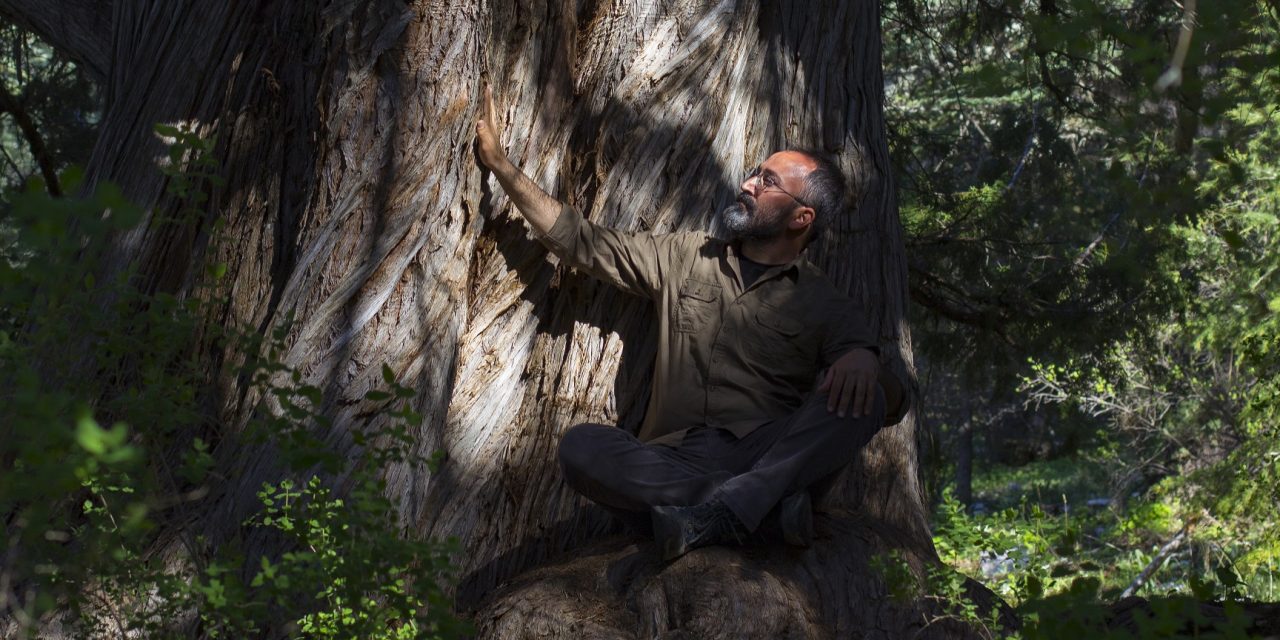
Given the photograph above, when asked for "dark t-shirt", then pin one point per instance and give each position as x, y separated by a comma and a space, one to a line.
751, 270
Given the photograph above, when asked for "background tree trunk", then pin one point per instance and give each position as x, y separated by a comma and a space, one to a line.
354, 205
964, 465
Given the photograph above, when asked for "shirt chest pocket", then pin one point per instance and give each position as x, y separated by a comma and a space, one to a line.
697, 306
776, 324
779, 341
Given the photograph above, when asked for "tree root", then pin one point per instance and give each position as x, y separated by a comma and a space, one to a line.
620, 588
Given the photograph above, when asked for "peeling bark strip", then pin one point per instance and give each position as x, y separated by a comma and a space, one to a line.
354, 204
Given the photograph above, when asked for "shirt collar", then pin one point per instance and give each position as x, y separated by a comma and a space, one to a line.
792, 268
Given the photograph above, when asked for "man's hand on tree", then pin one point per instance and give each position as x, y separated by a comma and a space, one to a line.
850, 383
489, 134
539, 208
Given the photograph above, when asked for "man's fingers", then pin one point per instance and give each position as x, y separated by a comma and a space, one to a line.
825, 384
486, 112
846, 394
834, 386
490, 114
860, 403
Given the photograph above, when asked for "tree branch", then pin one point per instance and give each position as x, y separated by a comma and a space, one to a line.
80, 29
927, 295
11, 105
1155, 563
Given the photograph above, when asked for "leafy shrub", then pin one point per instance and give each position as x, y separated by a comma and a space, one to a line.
102, 389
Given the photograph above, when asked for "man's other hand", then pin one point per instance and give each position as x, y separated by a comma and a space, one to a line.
850, 383
489, 134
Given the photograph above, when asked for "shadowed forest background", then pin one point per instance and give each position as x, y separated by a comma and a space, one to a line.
1089, 200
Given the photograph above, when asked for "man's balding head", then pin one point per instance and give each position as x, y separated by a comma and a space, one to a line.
793, 193
825, 189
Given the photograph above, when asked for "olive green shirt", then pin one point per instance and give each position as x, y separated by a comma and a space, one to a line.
728, 356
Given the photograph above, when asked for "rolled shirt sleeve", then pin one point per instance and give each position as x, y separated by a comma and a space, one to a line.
635, 262
893, 369
850, 329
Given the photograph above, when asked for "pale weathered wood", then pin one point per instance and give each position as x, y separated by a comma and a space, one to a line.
353, 203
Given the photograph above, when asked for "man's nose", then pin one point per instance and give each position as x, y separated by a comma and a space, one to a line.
749, 185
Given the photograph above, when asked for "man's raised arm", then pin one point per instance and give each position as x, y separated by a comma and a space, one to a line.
539, 208
634, 262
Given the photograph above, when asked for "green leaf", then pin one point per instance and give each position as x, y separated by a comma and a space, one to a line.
90, 435
388, 375
311, 393
1201, 588
121, 454
124, 214
1227, 576
1232, 238
70, 178
1035, 588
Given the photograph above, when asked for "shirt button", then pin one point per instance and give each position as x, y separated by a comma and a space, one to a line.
711, 388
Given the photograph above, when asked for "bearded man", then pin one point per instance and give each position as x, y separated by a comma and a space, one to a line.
767, 378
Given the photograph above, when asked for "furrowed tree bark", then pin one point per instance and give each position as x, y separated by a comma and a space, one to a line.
354, 205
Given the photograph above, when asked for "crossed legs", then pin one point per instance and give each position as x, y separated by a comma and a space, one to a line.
750, 474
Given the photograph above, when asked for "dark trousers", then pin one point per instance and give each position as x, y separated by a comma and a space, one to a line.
750, 474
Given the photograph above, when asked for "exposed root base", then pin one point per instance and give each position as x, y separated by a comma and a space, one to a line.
620, 588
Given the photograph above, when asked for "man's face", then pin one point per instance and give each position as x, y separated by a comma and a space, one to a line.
765, 206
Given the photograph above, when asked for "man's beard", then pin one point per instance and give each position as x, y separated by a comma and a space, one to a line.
742, 222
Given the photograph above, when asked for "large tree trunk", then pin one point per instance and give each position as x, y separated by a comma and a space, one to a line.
353, 203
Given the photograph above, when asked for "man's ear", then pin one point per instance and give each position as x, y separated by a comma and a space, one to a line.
803, 217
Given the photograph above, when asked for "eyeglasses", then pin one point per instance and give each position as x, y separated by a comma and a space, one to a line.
770, 181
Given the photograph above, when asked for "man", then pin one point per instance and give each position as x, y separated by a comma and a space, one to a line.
739, 424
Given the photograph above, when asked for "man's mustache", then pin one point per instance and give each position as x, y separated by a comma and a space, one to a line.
747, 201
